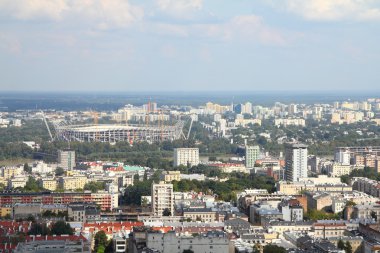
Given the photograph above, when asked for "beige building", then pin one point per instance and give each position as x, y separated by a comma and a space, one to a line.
329, 229
9, 172
162, 198
290, 226
338, 169
291, 188
17, 182
216, 107
200, 214
72, 183
169, 176
318, 200
186, 156
48, 183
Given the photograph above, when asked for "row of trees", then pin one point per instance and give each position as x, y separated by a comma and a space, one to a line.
57, 228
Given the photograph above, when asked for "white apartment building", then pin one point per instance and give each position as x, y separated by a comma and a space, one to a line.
290, 122
185, 156
162, 198
66, 159
343, 157
251, 155
295, 162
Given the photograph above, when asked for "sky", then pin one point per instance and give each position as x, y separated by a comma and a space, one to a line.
190, 45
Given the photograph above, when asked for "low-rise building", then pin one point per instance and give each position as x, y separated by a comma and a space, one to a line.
48, 183
211, 242
327, 229
17, 182
72, 183
200, 214
169, 176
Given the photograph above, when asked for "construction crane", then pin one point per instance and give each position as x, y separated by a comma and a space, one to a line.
47, 125
186, 137
191, 125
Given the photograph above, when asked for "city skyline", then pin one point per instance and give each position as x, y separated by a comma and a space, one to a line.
195, 45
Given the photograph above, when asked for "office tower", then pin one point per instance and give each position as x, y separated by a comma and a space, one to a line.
186, 156
295, 162
238, 108
251, 155
66, 159
162, 198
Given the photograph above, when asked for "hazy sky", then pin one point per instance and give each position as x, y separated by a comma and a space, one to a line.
189, 45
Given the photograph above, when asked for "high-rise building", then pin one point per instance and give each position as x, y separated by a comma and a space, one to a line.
186, 156
162, 198
246, 108
295, 162
251, 155
292, 109
343, 157
66, 159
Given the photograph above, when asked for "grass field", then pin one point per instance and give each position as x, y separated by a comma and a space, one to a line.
11, 162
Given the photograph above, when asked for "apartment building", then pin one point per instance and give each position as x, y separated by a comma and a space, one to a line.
162, 198
186, 156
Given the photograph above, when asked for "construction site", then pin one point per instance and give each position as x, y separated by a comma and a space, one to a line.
116, 132
149, 131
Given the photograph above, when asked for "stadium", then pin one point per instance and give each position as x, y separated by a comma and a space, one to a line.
117, 132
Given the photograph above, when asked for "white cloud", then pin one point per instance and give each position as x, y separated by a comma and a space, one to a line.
178, 7
248, 28
334, 9
102, 13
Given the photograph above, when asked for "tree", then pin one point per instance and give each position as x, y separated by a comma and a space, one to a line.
341, 244
348, 247
166, 212
38, 229
27, 169
59, 171
270, 248
61, 228
100, 249
94, 186
145, 176
32, 185
100, 241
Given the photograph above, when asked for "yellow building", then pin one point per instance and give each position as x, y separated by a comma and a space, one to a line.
9, 172
4, 211
72, 183
48, 183
171, 176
